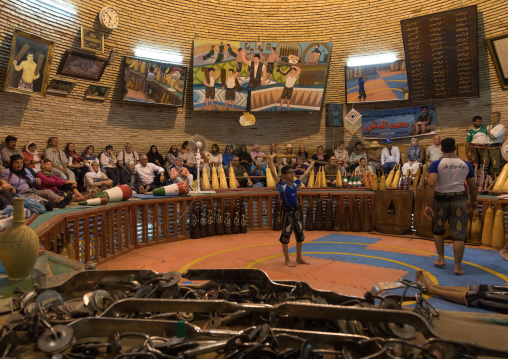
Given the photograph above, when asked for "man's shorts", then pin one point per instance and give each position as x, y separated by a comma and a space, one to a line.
287, 93
492, 158
230, 94
488, 297
454, 209
269, 68
477, 155
291, 220
210, 92
239, 67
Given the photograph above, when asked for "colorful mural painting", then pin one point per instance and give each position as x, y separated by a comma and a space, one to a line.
259, 76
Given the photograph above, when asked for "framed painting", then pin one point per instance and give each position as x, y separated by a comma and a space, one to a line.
92, 39
154, 82
60, 87
498, 49
81, 65
96, 92
29, 64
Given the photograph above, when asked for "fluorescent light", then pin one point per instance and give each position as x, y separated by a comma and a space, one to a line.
156, 55
59, 6
372, 59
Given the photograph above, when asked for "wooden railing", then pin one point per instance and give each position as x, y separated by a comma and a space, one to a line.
102, 233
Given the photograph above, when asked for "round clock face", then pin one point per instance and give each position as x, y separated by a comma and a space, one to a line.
109, 18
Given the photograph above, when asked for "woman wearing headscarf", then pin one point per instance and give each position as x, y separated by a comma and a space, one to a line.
128, 177
76, 163
154, 156
95, 180
89, 157
171, 157
108, 163
357, 154
31, 156
56, 184
245, 158
228, 155
414, 157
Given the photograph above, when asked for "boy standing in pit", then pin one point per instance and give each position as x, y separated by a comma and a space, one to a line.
291, 214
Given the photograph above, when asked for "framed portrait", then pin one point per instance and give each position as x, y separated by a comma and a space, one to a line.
29, 64
96, 92
259, 46
247, 46
154, 82
60, 87
498, 49
92, 39
81, 65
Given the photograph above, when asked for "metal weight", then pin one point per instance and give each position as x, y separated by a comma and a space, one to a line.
56, 339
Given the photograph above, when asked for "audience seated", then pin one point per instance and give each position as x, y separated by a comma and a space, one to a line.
9, 149
256, 151
228, 154
414, 157
25, 184
128, 176
6, 194
214, 157
331, 169
302, 152
96, 180
126, 155
374, 156
155, 157
357, 154
178, 173
363, 167
56, 184
108, 164
240, 171
342, 156
31, 156
390, 156
189, 159
434, 151
171, 157
1, 164
245, 158
259, 171
288, 161
320, 155
59, 160
76, 163
89, 156
150, 176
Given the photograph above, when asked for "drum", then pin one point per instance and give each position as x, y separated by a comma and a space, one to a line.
392, 211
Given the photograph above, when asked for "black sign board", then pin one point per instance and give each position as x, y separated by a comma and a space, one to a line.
441, 52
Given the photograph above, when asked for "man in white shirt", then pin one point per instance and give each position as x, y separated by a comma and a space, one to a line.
287, 92
127, 155
230, 89
149, 175
495, 136
390, 156
434, 151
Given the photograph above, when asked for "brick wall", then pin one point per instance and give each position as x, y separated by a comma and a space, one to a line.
354, 27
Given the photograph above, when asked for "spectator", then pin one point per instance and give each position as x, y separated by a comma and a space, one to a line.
214, 157
54, 183
245, 158
155, 157
127, 155
150, 176
331, 169
342, 156
9, 149
228, 155
240, 171
256, 151
171, 157
179, 173
320, 155
356, 155
258, 170
374, 156
363, 167
189, 159
302, 152
128, 177
108, 164
6, 194
59, 160
25, 184
31, 156
288, 161
89, 157
414, 157
390, 156
95, 180
434, 151
76, 163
